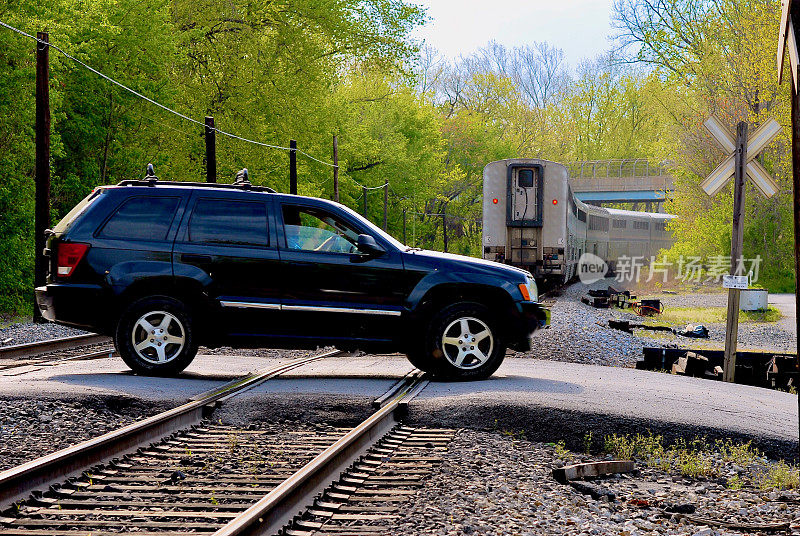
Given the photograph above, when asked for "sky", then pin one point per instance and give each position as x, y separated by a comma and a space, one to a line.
579, 27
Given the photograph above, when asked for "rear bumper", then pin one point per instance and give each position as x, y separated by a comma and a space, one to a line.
83, 306
531, 317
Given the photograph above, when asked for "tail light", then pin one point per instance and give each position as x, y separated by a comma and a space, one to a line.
69, 255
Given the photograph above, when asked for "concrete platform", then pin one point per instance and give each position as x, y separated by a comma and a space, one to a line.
545, 400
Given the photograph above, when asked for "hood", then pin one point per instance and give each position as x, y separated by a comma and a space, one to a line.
454, 261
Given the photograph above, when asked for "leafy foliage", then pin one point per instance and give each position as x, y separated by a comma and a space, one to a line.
312, 69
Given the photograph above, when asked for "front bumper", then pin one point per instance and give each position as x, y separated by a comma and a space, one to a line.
531, 317
78, 305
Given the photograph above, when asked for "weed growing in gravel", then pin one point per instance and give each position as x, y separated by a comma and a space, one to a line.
735, 482
561, 450
233, 441
780, 475
587, 443
698, 458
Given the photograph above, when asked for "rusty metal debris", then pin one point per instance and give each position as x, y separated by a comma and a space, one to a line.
592, 469
776, 370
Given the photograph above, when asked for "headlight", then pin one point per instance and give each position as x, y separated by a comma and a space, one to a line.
529, 290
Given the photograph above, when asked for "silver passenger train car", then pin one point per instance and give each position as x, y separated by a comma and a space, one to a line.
531, 219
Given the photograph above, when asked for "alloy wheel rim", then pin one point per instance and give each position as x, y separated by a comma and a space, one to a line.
467, 342
158, 337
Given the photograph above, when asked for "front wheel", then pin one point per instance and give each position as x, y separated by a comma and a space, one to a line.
463, 342
154, 336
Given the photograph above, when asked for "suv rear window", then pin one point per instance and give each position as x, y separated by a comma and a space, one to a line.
141, 218
72, 215
223, 221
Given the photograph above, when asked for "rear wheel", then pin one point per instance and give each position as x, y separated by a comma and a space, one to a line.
154, 336
462, 342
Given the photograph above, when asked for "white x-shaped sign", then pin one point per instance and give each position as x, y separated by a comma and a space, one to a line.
755, 144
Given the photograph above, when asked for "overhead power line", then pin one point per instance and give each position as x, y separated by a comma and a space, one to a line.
155, 103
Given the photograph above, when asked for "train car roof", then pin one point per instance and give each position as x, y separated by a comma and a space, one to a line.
634, 213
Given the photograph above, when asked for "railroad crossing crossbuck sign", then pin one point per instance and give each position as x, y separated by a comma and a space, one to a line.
758, 175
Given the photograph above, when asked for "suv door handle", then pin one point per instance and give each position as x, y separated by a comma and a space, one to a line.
194, 257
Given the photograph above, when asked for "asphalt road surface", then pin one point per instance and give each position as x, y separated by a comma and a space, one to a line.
545, 400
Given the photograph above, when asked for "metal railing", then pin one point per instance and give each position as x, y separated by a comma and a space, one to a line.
619, 168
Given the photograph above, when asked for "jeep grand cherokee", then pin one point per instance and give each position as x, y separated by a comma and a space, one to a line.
166, 266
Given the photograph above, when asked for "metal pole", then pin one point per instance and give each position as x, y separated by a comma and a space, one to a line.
335, 168
737, 237
364, 194
444, 228
385, 205
42, 176
211, 150
796, 206
293, 167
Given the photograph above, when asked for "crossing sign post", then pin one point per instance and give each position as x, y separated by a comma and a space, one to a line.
741, 163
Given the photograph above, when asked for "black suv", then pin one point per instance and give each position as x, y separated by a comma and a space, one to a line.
166, 266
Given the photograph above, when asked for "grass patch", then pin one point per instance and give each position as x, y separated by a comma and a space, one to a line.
770, 315
715, 315
649, 334
9, 320
698, 458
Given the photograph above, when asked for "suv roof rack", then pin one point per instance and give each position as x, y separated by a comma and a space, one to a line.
240, 186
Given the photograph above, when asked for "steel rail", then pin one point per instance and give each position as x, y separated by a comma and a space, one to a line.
276, 509
51, 345
18, 482
38, 364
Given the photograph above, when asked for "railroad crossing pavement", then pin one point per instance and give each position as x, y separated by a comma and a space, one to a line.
546, 400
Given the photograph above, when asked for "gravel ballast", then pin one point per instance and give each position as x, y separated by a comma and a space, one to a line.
579, 333
497, 484
26, 332
33, 428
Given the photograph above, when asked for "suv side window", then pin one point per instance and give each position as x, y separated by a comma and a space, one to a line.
311, 229
229, 222
141, 218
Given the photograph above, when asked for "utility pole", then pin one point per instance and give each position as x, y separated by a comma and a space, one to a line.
335, 168
385, 205
404, 226
364, 194
211, 150
42, 176
787, 42
796, 208
444, 227
732, 325
293, 167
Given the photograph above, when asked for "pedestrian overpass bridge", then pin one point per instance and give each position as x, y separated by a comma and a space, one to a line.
601, 182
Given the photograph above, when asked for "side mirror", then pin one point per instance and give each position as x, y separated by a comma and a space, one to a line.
366, 244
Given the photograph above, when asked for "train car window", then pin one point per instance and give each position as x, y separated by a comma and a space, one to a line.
641, 224
525, 178
620, 224
598, 223
581, 216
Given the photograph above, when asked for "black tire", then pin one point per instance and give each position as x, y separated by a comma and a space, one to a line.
176, 344
419, 359
479, 358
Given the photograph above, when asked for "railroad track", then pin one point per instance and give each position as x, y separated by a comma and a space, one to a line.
28, 357
205, 477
